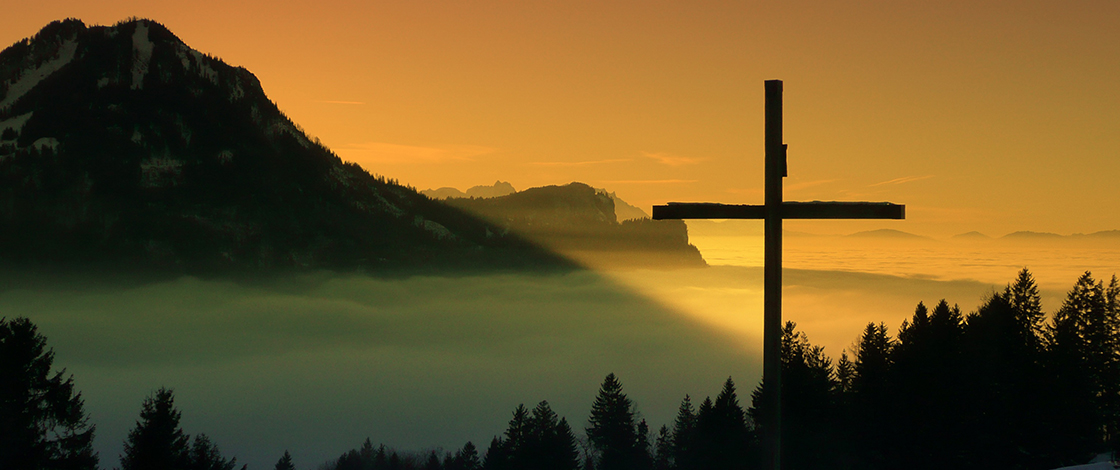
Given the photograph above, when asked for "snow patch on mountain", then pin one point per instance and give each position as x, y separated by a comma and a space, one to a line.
15, 123
46, 143
197, 62
141, 54
29, 79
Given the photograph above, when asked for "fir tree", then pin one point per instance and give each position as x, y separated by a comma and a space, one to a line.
684, 436
467, 458
285, 462
42, 423
157, 442
663, 457
612, 431
1026, 303
874, 435
497, 455
204, 455
433, 462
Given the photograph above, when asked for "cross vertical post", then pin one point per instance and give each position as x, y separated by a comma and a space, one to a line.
772, 267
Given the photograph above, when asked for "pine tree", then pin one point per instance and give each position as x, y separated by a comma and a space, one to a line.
663, 458
684, 436
204, 455
467, 458
643, 453
845, 373
157, 442
724, 432
1071, 363
285, 462
1026, 303
433, 462
1111, 392
497, 455
613, 432
873, 429
42, 423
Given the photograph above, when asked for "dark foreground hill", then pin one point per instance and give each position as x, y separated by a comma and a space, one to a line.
580, 222
122, 144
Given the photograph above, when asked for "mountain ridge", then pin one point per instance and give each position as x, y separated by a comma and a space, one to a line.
121, 143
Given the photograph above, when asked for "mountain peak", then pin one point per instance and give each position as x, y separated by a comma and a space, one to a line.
122, 142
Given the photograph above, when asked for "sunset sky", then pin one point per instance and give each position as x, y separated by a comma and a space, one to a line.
989, 116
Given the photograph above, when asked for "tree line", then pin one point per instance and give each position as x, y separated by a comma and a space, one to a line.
1006, 386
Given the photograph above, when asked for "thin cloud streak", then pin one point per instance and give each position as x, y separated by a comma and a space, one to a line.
583, 163
904, 179
647, 181
384, 152
809, 184
672, 160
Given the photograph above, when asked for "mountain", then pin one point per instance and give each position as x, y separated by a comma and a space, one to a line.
579, 221
499, 188
122, 144
1031, 236
971, 236
887, 234
623, 210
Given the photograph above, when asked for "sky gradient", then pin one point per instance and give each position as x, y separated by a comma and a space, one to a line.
990, 116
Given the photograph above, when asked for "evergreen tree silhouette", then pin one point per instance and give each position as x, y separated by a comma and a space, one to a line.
808, 403
872, 427
204, 455
1026, 303
684, 436
722, 430
497, 455
467, 458
351, 460
612, 431
663, 457
1001, 390
157, 442
845, 373
1111, 392
1074, 370
368, 455
643, 452
925, 377
433, 462
42, 423
285, 462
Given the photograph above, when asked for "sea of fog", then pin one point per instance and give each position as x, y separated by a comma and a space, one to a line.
315, 363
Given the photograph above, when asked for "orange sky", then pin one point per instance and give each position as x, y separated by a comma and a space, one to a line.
990, 116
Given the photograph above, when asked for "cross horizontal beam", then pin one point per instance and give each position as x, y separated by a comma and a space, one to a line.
790, 210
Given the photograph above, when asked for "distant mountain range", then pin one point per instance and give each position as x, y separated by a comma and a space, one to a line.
499, 188
581, 222
622, 209
122, 144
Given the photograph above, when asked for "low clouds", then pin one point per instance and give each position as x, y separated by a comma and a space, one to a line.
672, 160
904, 179
316, 363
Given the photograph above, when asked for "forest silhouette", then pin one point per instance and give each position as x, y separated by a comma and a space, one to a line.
1005, 386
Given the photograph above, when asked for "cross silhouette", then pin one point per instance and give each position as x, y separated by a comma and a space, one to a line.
773, 211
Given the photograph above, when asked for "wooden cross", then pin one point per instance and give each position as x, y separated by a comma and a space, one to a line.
773, 211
